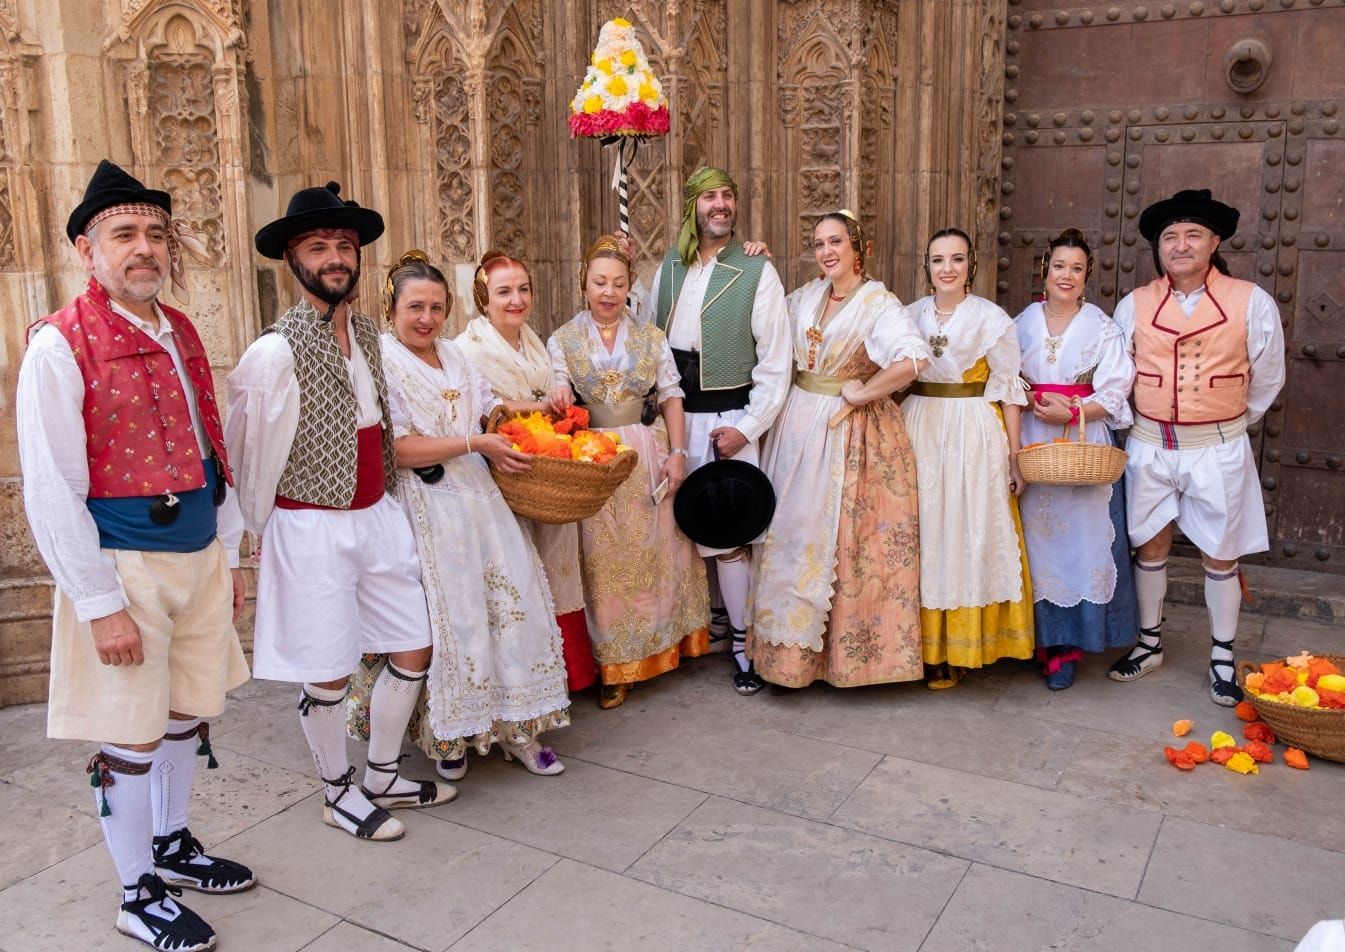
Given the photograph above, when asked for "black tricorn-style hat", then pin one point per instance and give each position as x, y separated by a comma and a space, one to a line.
314, 208
1192, 204
724, 504
112, 185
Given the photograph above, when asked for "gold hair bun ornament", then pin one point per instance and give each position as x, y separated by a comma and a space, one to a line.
846, 213
414, 256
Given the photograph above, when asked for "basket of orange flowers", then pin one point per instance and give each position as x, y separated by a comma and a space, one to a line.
1067, 462
1302, 698
574, 470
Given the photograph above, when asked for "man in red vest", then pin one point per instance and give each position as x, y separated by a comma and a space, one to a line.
125, 481
1209, 358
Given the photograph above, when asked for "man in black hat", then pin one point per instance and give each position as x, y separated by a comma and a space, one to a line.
125, 482
1209, 358
339, 575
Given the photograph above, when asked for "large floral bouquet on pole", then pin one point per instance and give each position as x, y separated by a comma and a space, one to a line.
620, 102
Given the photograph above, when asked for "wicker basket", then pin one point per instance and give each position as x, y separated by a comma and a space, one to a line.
1072, 464
557, 491
1315, 730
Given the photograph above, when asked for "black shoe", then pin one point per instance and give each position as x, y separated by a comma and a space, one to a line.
180, 860
187, 932
747, 682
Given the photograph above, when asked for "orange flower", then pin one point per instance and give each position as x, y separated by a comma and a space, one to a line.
1181, 728
1318, 667
1222, 755
1197, 752
1246, 711
1259, 731
1258, 751
1179, 758
1296, 758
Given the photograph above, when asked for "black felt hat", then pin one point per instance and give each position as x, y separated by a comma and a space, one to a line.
111, 185
724, 504
314, 208
1192, 204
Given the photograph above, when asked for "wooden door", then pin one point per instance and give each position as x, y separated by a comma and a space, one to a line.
1110, 108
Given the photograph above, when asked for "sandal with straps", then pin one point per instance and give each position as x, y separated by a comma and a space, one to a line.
1140, 660
186, 932
177, 860
379, 824
1223, 691
428, 793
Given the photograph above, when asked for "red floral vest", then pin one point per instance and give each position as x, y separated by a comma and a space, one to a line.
138, 430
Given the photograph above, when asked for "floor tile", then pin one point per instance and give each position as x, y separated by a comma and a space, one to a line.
1264, 883
427, 889
856, 889
1041, 832
47, 834
593, 814
576, 908
999, 911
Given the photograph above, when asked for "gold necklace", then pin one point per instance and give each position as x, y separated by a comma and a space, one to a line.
607, 331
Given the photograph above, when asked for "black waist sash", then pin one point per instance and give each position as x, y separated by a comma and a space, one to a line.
705, 401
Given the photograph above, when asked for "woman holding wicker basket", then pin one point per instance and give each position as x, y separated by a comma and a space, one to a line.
502, 348
498, 674
1079, 374
647, 601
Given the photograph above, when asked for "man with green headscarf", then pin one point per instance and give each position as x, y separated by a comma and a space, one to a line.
724, 314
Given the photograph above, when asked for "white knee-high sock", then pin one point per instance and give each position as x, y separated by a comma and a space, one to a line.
172, 775
1223, 601
391, 704
323, 717
123, 801
1151, 587
735, 581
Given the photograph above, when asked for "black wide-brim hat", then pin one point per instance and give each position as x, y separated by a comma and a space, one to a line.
724, 504
112, 185
1192, 204
314, 208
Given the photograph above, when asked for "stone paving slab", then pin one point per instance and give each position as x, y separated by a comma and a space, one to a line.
426, 890
1192, 864
47, 834
999, 911
576, 908
1066, 838
1301, 805
856, 889
603, 817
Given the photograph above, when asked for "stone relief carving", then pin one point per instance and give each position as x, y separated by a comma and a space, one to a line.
181, 99
514, 106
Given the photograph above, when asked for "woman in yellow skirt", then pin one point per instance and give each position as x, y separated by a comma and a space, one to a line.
963, 420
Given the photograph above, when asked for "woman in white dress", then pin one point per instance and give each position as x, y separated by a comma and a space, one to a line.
837, 593
963, 419
498, 675
647, 602
1075, 363
501, 347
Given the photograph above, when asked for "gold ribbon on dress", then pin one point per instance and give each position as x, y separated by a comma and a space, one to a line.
823, 385
622, 413
926, 388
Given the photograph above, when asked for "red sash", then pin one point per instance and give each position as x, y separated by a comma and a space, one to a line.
368, 473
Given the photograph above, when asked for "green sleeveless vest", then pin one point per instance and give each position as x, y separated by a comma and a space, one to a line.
728, 349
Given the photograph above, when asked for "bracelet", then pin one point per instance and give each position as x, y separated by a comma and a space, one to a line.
469, 443
678, 451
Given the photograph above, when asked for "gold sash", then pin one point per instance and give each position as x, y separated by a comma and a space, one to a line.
821, 384
925, 388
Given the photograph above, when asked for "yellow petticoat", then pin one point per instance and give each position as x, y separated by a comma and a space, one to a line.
976, 636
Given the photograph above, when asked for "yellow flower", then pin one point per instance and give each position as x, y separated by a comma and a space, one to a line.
621, 21
1305, 696
604, 66
616, 86
1242, 763
628, 58
648, 92
593, 104
1221, 739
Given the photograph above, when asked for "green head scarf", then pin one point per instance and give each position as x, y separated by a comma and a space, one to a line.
702, 180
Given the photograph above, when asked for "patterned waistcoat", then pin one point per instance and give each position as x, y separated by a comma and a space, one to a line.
643, 342
321, 467
728, 348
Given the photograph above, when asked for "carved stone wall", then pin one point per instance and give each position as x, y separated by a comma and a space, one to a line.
450, 118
